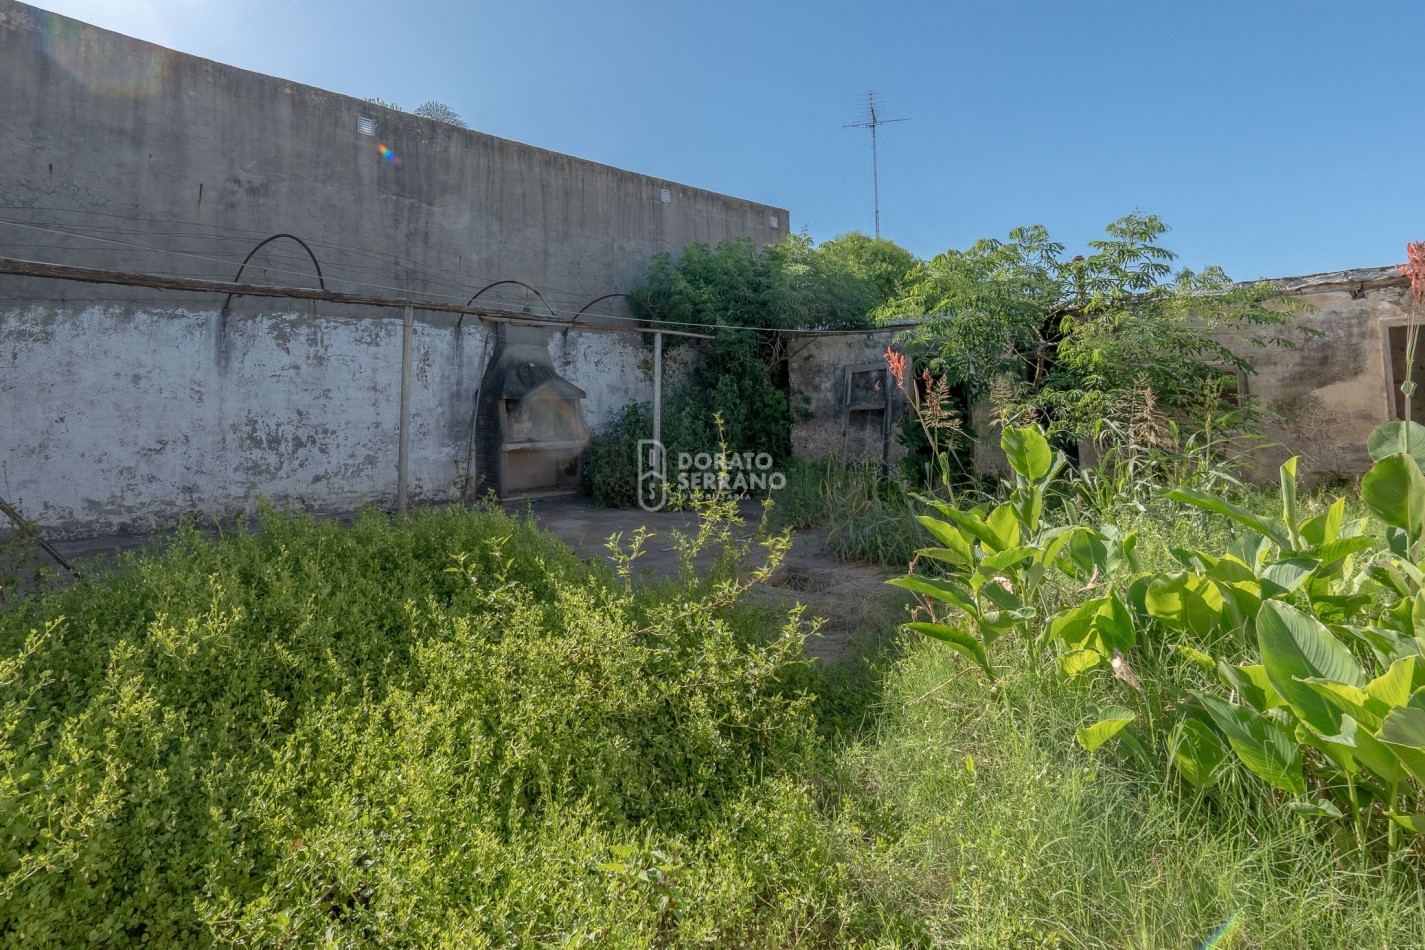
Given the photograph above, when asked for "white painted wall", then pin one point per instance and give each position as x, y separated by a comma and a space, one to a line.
121, 419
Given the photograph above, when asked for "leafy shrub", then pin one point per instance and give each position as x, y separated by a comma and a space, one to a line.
610, 471
349, 735
1307, 658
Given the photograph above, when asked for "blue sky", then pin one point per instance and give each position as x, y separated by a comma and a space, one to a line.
1274, 138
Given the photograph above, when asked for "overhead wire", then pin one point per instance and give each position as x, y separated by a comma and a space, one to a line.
651, 323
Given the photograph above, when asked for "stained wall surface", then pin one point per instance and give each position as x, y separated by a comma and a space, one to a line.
122, 408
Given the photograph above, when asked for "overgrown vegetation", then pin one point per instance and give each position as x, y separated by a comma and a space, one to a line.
424, 734
1069, 342
748, 298
449, 732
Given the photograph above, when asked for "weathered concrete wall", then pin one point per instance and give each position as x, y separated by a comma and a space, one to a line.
120, 409
1324, 395
1331, 390
116, 421
834, 428
130, 142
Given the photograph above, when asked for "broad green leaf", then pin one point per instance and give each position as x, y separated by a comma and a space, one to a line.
1380, 759
1113, 626
1324, 528
1395, 437
1198, 752
1251, 685
1185, 602
1242, 516
1351, 700
943, 590
1394, 489
1008, 558
999, 621
1250, 547
1339, 549
1296, 646
1111, 719
1028, 505
1286, 576
1089, 551
971, 522
952, 538
1003, 525
1415, 823
1002, 596
1340, 747
1264, 747
1404, 731
958, 640
1073, 627
1028, 451
1394, 686
1076, 662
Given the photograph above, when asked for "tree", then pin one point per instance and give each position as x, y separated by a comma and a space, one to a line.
429, 109
750, 297
876, 264
440, 112
1074, 341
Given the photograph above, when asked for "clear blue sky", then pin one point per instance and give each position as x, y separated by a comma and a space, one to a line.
1274, 138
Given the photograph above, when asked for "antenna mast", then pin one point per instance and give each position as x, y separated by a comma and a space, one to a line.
870, 119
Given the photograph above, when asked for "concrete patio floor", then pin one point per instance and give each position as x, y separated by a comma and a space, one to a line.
847, 597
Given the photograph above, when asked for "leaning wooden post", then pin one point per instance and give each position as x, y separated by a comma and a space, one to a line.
403, 454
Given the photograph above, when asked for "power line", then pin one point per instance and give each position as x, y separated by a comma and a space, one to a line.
871, 119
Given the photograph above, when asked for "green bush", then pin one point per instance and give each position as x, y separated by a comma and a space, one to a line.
348, 735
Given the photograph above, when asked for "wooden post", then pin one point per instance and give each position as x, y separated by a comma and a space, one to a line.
658, 386
403, 453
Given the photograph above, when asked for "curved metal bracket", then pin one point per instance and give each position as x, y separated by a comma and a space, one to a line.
552, 312
321, 281
584, 309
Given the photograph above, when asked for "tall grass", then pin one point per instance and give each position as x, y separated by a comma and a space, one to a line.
969, 818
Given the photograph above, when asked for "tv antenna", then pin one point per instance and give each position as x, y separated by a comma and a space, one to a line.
870, 119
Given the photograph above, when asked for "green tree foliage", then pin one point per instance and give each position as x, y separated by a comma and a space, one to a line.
749, 298
1079, 338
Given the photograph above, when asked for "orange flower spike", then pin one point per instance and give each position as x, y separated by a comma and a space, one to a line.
1414, 269
896, 361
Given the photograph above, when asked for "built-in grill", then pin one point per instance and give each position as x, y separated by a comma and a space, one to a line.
528, 423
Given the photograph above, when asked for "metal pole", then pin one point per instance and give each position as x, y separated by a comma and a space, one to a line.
403, 455
658, 386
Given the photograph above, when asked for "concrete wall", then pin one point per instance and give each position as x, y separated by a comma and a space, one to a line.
1323, 397
121, 408
1333, 388
817, 365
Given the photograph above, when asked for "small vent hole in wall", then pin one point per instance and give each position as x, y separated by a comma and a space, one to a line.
366, 126
665, 196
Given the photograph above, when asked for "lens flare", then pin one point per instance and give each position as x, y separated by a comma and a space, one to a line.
389, 154
135, 72
1221, 938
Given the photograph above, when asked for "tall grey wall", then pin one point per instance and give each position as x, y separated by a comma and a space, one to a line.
122, 408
